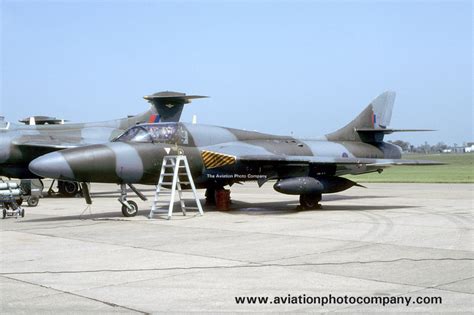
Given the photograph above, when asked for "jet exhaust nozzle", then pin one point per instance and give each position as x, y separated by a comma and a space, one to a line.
313, 185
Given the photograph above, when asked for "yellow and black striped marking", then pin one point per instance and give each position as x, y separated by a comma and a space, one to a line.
213, 159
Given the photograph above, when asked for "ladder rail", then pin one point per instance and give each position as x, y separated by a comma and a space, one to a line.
173, 191
176, 164
191, 183
158, 186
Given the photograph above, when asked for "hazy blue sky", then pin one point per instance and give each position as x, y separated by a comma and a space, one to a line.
282, 67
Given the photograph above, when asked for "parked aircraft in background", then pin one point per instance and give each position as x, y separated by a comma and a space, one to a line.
20, 144
221, 156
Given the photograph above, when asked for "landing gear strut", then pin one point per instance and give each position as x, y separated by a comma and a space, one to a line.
310, 201
129, 207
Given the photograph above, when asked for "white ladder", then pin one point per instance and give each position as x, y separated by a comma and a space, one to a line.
173, 165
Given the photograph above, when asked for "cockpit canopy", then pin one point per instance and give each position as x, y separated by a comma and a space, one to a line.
172, 133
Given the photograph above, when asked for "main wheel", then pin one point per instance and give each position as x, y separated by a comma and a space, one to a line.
210, 196
130, 212
22, 213
4, 213
32, 201
310, 201
68, 189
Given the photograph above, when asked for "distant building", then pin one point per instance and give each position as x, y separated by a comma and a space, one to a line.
469, 147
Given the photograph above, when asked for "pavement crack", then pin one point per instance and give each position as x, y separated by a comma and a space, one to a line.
249, 265
77, 295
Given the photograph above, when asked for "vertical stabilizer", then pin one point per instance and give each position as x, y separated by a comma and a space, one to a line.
376, 117
169, 105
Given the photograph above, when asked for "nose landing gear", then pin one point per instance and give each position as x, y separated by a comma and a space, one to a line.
129, 207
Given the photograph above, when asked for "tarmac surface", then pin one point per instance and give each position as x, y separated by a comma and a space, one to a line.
388, 241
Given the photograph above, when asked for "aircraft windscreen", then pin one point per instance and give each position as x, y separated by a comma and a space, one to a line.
155, 134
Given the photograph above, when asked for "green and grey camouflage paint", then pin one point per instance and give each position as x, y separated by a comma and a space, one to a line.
20, 144
221, 156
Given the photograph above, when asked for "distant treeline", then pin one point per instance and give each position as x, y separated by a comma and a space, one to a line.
427, 148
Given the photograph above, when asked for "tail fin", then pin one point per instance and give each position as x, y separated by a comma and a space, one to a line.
371, 124
169, 105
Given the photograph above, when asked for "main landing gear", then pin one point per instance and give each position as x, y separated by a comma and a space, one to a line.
219, 197
211, 196
310, 201
68, 189
129, 207
65, 188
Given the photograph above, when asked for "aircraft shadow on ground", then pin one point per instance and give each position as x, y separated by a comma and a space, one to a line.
106, 194
237, 207
285, 207
116, 215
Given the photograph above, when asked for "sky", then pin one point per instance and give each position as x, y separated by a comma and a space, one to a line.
304, 68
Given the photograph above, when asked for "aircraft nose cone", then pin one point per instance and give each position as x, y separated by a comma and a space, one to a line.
51, 165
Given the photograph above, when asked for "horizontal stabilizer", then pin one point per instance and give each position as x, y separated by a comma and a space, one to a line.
376, 134
172, 97
389, 131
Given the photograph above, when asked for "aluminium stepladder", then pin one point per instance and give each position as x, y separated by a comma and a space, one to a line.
174, 166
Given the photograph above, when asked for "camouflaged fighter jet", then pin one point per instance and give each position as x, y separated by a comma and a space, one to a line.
20, 144
221, 156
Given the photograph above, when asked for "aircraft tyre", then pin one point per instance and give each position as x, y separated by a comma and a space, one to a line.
130, 212
210, 196
4, 213
68, 189
32, 201
310, 201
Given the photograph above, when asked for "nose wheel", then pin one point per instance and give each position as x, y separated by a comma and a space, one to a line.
129, 207
131, 210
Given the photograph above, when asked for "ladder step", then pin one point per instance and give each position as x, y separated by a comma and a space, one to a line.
162, 211
174, 170
177, 182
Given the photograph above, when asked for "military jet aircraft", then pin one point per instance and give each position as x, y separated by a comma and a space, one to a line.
221, 156
20, 144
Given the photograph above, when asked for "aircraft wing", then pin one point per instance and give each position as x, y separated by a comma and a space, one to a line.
222, 155
291, 159
49, 143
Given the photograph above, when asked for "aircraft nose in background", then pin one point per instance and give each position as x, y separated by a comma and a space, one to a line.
51, 165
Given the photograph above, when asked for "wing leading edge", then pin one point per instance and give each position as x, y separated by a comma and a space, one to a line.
291, 159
